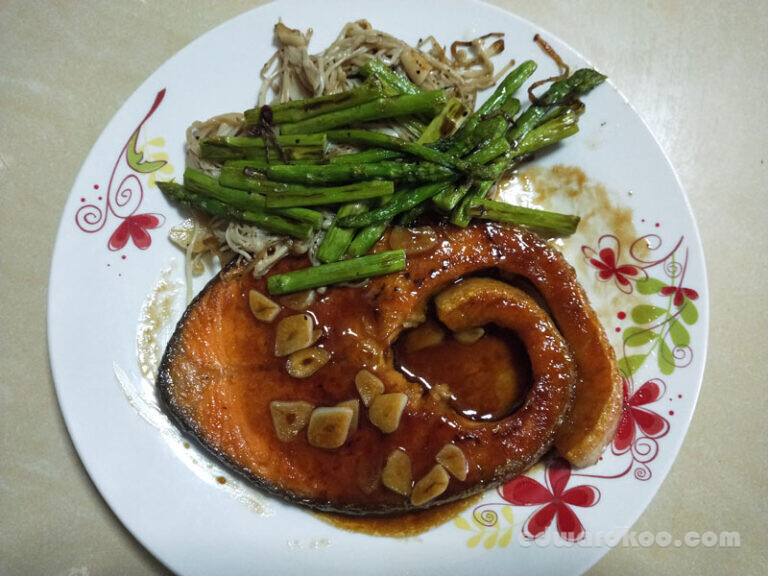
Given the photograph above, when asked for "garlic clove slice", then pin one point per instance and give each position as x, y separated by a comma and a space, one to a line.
354, 404
386, 411
368, 386
289, 418
396, 474
430, 486
293, 333
262, 307
304, 363
298, 300
452, 459
329, 427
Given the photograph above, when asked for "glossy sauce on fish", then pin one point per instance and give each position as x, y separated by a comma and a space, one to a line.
220, 374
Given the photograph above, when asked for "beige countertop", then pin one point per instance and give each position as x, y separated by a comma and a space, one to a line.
695, 72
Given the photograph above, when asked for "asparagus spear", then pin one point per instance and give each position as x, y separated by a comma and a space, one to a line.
379, 109
297, 147
460, 215
381, 140
338, 239
269, 222
503, 92
233, 177
548, 133
490, 151
343, 173
325, 196
204, 185
377, 69
409, 217
366, 156
394, 84
297, 110
335, 272
366, 238
401, 202
448, 198
548, 222
442, 125
577, 84
446, 122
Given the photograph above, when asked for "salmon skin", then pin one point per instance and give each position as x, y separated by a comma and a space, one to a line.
219, 374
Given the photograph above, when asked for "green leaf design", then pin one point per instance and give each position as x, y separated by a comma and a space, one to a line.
136, 159
679, 334
630, 364
490, 542
688, 312
645, 313
506, 538
665, 359
635, 336
509, 516
649, 286
461, 523
475, 540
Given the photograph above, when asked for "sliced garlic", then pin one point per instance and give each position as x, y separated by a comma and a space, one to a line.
329, 427
397, 473
262, 307
412, 240
452, 459
470, 335
317, 333
430, 486
293, 333
368, 386
425, 336
299, 300
289, 418
354, 404
304, 363
386, 410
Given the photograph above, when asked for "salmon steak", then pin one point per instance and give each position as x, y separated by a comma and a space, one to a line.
412, 390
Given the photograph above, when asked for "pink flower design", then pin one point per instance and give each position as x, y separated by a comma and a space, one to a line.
124, 195
134, 227
680, 294
554, 501
608, 267
606, 261
633, 416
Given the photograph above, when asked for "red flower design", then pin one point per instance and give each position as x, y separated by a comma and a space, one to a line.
607, 266
134, 227
680, 294
633, 417
554, 501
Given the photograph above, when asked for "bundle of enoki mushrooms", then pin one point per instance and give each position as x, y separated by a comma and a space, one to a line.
293, 73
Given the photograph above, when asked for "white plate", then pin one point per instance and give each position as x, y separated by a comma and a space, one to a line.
167, 495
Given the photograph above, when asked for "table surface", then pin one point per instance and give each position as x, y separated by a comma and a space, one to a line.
693, 71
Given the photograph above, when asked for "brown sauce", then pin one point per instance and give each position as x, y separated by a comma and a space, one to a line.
487, 379
402, 526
